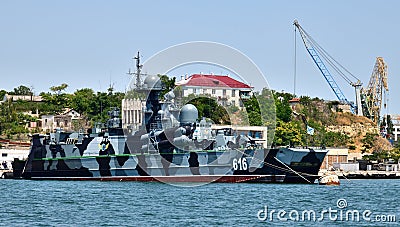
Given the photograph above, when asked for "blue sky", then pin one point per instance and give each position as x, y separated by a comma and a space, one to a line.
90, 43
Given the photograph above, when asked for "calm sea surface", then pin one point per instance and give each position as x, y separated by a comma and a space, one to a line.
74, 203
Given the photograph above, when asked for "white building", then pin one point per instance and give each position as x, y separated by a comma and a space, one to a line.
73, 113
335, 155
131, 113
225, 89
396, 132
30, 98
65, 121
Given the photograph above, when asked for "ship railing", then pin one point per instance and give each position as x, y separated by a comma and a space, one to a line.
152, 143
154, 126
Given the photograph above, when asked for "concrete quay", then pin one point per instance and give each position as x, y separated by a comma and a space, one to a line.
364, 174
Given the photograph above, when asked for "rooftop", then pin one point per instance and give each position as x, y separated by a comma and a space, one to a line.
212, 81
32, 98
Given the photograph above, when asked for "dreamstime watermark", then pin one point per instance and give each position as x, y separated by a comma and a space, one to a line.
339, 213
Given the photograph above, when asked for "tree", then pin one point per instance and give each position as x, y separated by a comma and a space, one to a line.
389, 124
2, 93
81, 100
368, 142
59, 100
97, 110
168, 83
209, 108
22, 90
59, 89
287, 133
334, 139
283, 110
253, 111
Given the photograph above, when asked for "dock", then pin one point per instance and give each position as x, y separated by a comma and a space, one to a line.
365, 174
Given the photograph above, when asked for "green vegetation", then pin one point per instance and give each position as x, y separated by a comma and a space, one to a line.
93, 106
385, 155
253, 111
379, 148
291, 128
208, 108
13, 122
21, 90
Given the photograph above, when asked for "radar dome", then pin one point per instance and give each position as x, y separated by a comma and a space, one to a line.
153, 82
188, 114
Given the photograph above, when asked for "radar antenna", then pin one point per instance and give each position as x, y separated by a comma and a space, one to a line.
138, 73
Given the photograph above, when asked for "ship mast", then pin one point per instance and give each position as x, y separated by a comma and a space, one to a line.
138, 69
138, 73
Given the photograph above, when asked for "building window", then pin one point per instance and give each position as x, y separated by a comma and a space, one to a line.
233, 103
213, 91
135, 119
224, 92
204, 90
4, 155
194, 90
233, 93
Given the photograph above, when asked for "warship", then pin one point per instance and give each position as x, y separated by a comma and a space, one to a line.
171, 145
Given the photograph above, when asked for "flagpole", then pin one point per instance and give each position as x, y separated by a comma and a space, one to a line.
310, 131
307, 139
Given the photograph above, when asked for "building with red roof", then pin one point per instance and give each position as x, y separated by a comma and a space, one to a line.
227, 90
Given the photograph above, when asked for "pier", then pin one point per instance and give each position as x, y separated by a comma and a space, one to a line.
364, 174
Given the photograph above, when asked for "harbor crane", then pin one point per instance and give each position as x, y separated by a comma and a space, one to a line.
368, 100
376, 90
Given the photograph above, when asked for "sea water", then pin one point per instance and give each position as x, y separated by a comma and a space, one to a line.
94, 203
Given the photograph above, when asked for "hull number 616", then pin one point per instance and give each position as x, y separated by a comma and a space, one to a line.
239, 164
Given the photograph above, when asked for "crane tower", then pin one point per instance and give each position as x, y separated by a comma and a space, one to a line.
376, 90
368, 101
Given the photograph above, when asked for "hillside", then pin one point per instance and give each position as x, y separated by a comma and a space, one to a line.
333, 126
356, 127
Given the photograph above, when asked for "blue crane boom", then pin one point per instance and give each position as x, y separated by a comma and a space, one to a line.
313, 50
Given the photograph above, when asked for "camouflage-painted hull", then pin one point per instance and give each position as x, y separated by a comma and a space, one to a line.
116, 162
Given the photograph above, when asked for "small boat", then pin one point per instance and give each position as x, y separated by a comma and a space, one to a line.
331, 179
